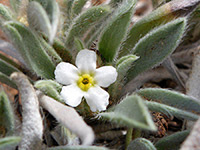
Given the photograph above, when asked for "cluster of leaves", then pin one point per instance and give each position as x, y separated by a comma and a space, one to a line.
46, 34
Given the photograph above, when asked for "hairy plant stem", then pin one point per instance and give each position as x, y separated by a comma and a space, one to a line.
131, 135
128, 137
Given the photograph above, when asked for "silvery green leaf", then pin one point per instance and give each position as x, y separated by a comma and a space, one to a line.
141, 144
6, 114
29, 47
53, 12
94, 32
123, 60
83, 22
171, 98
171, 111
160, 16
116, 30
68, 8
79, 44
122, 66
44, 19
38, 18
172, 142
50, 51
17, 42
9, 143
156, 46
131, 112
63, 52
50, 88
8, 49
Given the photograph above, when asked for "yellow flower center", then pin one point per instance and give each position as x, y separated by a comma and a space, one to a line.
85, 81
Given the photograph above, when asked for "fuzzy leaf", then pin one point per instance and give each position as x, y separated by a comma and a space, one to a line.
30, 48
79, 44
94, 32
175, 141
84, 21
8, 52
162, 15
38, 18
131, 112
5, 79
125, 59
122, 65
116, 30
78, 148
17, 42
44, 17
171, 111
77, 7
6, 114
63, 52
141, 144
50, 51
68, 6
53, 12
50, 88
5, 13
156, 46
9, 143
171, 98
6, 68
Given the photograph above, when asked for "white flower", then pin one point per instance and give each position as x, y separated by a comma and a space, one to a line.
85, 81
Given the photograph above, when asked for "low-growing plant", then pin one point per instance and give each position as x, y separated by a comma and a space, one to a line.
68, 57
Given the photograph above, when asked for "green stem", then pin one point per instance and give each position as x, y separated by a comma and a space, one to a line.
136, 133
128, 137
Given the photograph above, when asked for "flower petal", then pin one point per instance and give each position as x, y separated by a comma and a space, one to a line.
105, 76
86, 61
97, 99
72, 95
66, 73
